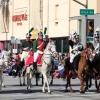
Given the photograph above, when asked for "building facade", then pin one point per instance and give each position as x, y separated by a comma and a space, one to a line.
22, 16
59, 16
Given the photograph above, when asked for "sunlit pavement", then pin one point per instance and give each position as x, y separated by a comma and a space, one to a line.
13, 91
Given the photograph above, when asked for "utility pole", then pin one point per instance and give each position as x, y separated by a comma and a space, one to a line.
85, 35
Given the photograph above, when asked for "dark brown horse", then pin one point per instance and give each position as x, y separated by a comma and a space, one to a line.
94, 69
82, 71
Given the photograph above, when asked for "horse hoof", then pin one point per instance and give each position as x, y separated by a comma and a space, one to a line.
50, 83
89, 86
20, 84
98, 91
49, 92
44, 92
4, 86
0, 92
36, 84
71, 90
30, 91
66, 90
82, 92
23, 84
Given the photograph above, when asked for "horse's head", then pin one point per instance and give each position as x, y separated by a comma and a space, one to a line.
89, 53
51, 46
6, 57
90, 45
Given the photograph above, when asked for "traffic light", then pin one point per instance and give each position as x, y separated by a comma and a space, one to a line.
90, 27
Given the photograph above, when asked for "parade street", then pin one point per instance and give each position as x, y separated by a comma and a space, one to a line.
13, 91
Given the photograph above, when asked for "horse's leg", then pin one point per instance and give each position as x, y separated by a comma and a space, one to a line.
71, 90
66, 87
29, 82
42, 79
81, 82
36, 79
90, 82
1, 80
97, 83
46, 82
51, 79
24, 79
20, 79
87, 80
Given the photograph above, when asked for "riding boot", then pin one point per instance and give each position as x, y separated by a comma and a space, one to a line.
35, 66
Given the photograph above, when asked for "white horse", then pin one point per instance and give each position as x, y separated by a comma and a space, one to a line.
4, 62
49, 52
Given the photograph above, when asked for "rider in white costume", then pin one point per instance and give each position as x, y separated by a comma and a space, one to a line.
96, 43
76, 46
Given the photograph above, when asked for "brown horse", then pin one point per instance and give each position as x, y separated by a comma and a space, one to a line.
94, 69
82, 71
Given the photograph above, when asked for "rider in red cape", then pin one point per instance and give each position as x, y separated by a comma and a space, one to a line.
38, 48
26, 44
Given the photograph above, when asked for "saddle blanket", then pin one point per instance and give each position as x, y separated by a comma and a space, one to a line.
30, 60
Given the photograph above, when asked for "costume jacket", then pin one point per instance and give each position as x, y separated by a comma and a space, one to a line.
38, 45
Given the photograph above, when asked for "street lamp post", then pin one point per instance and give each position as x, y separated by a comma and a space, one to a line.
86, 6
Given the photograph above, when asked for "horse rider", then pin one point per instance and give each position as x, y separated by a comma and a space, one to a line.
77, 47
96, 43
38, 48
26, 45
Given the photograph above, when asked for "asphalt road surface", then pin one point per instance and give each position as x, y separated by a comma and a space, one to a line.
13, 91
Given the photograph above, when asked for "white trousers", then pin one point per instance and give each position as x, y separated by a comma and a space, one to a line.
36, 56
22, 56
72, 58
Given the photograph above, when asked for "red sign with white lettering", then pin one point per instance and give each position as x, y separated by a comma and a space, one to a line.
19, 17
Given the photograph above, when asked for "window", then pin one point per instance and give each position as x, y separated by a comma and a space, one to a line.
56, 11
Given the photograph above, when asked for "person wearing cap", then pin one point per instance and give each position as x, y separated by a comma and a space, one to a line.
96, 43
26, 45
77, 47
38, 48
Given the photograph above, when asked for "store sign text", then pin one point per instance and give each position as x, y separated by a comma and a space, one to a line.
17, 18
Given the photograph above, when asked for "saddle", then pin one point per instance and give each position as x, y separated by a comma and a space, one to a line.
30, 59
